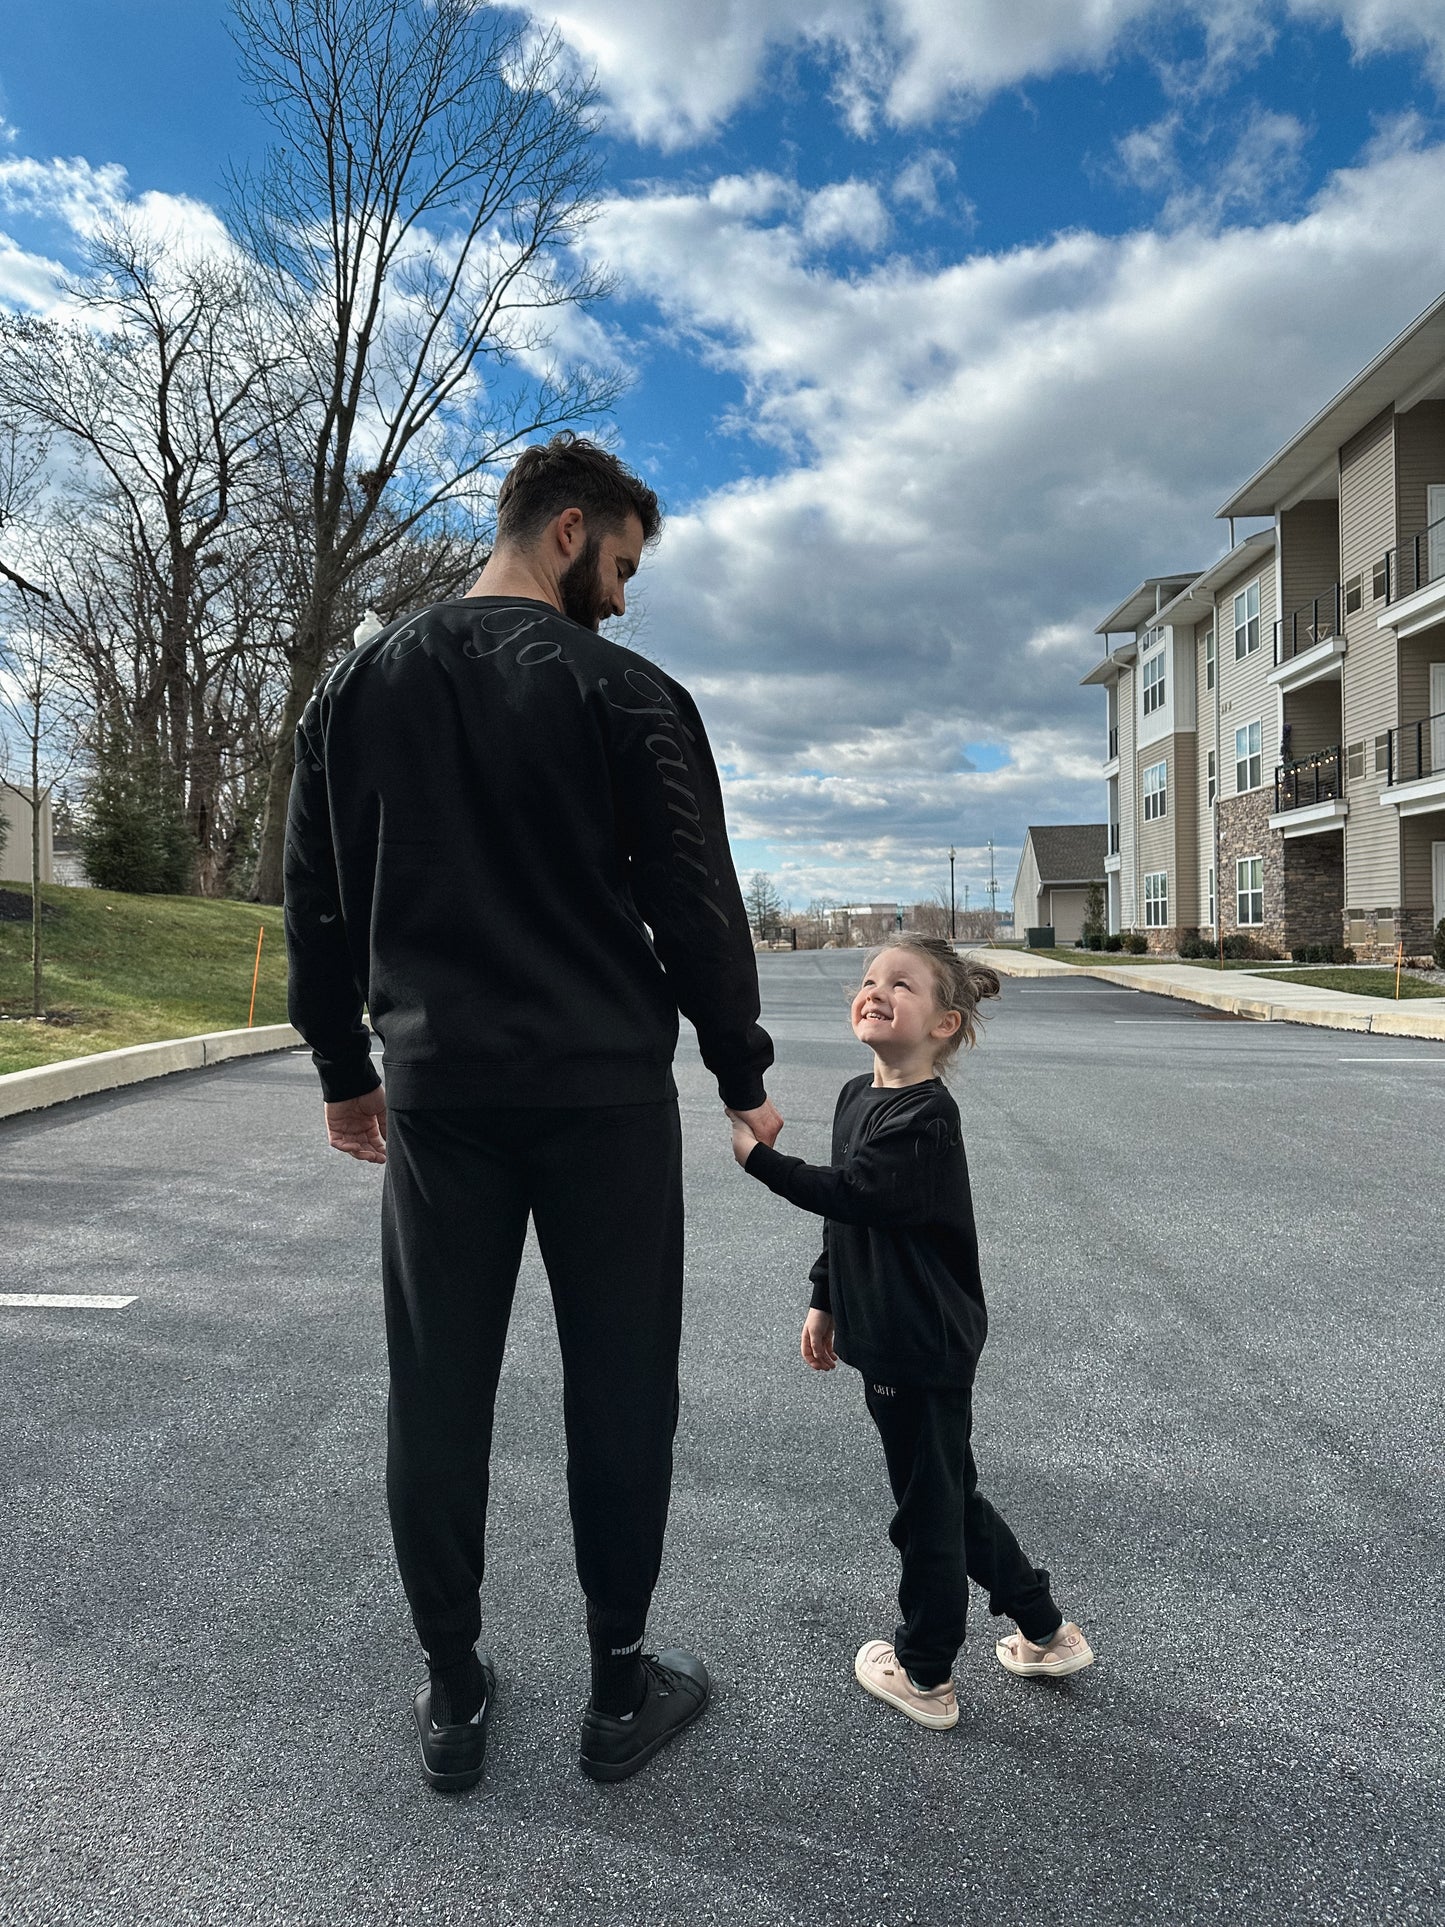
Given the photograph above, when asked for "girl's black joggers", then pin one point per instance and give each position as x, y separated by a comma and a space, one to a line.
603, 1186
947, 1533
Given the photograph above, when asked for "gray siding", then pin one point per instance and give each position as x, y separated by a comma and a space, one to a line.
1309, 554
1128, 803
1026, 890
1313, 715
1419, 460
1245, 693
1367, 530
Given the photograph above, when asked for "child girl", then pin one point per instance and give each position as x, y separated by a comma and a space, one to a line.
897, 1295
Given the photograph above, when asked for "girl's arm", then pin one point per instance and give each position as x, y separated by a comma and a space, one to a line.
892, 1179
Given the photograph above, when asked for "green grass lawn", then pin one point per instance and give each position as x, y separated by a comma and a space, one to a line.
1072, 956
1360, 983
132, 970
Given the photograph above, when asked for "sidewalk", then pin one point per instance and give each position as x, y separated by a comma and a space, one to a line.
1243, 993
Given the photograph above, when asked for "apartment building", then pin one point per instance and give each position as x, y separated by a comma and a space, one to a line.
1276, 750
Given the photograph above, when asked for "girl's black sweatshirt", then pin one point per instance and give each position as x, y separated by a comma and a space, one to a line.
506, 836
899, 1265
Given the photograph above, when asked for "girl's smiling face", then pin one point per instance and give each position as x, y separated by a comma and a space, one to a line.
896, 1012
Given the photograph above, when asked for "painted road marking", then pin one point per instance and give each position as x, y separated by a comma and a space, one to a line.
1436, 1062
62, 1300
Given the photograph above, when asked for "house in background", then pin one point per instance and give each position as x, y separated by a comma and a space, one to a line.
1058, 864
15, 858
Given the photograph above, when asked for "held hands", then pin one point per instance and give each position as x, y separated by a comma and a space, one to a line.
760, 1126
357, 1126
818, 1350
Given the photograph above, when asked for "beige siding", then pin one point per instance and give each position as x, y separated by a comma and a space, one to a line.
1204, 742
1026, 890
1418, 836
1128, 804
1309, 555
18, 857
1168, 843
1245, 693
1367, 530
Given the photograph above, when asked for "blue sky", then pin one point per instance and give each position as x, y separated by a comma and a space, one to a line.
946, 325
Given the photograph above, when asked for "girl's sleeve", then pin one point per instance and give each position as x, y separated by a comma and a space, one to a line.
820, 1278
892, 1179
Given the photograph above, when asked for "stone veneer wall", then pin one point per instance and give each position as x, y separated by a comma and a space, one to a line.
1314, 888
1244, 831
1413, 925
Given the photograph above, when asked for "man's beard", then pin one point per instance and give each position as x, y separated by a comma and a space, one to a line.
580, 586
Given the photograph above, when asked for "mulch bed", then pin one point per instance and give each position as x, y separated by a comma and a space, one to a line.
15, 908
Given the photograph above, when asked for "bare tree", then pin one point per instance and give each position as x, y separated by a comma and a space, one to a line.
418, 221
764, 905
23, 451
168, 392
36, 712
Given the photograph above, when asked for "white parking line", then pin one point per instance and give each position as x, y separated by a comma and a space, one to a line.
1435, 1061
61, 1300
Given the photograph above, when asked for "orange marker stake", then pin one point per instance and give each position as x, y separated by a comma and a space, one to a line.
1399, 962
255, 976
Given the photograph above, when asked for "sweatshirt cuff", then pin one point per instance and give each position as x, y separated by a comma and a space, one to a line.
345, 1078
746, 1093
770, 1166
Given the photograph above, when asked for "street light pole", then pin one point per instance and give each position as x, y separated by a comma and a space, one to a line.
952, 906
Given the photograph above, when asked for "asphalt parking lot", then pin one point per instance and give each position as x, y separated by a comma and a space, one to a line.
1210, 1404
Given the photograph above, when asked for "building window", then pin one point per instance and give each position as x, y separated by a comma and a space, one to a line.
1213, 784
1249, 890
1382, 755
1379, 578
1211, 896
1209, 660
1152, 640
1355, 760
1246, 622
1156, 791
1248, 757
1354, 593
1156, 899
1154, 685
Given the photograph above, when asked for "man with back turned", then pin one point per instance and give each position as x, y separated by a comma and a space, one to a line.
506, 839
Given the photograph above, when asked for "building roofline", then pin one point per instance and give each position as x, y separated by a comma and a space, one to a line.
1239, 557
1396, 372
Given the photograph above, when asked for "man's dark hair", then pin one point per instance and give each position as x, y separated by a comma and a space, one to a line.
570, 472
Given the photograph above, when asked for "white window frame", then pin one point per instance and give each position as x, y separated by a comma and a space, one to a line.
1210, 669
1156, 792
1211, 897
1213, 781
1153, 685
1249, 892
1246, 621
1156, 899
1252, 761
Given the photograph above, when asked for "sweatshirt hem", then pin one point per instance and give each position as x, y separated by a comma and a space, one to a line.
420, 1086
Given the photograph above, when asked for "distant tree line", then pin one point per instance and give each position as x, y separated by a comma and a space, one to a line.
831, 923
230, 446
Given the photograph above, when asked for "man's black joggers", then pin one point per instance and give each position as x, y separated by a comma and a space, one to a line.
604, 1188
947, 1533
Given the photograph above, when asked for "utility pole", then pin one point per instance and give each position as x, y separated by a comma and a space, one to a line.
952, 902
992, 884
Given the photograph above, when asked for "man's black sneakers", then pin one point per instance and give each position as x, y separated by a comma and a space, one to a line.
452, 1757
677, 1691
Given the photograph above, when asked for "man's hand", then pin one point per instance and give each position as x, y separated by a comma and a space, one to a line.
818, 1341
745, 1139
764, 1123
358, 1126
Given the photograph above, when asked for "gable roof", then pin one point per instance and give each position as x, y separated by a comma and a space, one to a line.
1070, 852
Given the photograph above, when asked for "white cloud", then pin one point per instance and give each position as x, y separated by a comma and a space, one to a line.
846, 214
986, 456
1259, 175
919, 182
674, 74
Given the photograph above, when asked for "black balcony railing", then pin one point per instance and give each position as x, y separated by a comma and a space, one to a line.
1417, 750
1113, 744
1312, 779
1113, 839
1412, 565
1315, 622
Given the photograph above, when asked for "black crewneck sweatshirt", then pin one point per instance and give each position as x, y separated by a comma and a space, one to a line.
899, 1265
506, 837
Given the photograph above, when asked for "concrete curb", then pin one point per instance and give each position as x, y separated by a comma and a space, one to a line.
110, 1070
1242, 995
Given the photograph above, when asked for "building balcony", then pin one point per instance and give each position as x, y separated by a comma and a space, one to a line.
1309, 794
1309, 642
1415, 771
1414, 582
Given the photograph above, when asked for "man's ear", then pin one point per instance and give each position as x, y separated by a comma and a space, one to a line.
571, 532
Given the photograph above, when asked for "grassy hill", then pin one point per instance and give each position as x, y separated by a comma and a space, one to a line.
131, 970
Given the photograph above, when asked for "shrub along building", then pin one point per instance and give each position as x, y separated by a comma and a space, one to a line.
1276, 748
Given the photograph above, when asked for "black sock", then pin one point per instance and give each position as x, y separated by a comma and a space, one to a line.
619, 1684
457, 1691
